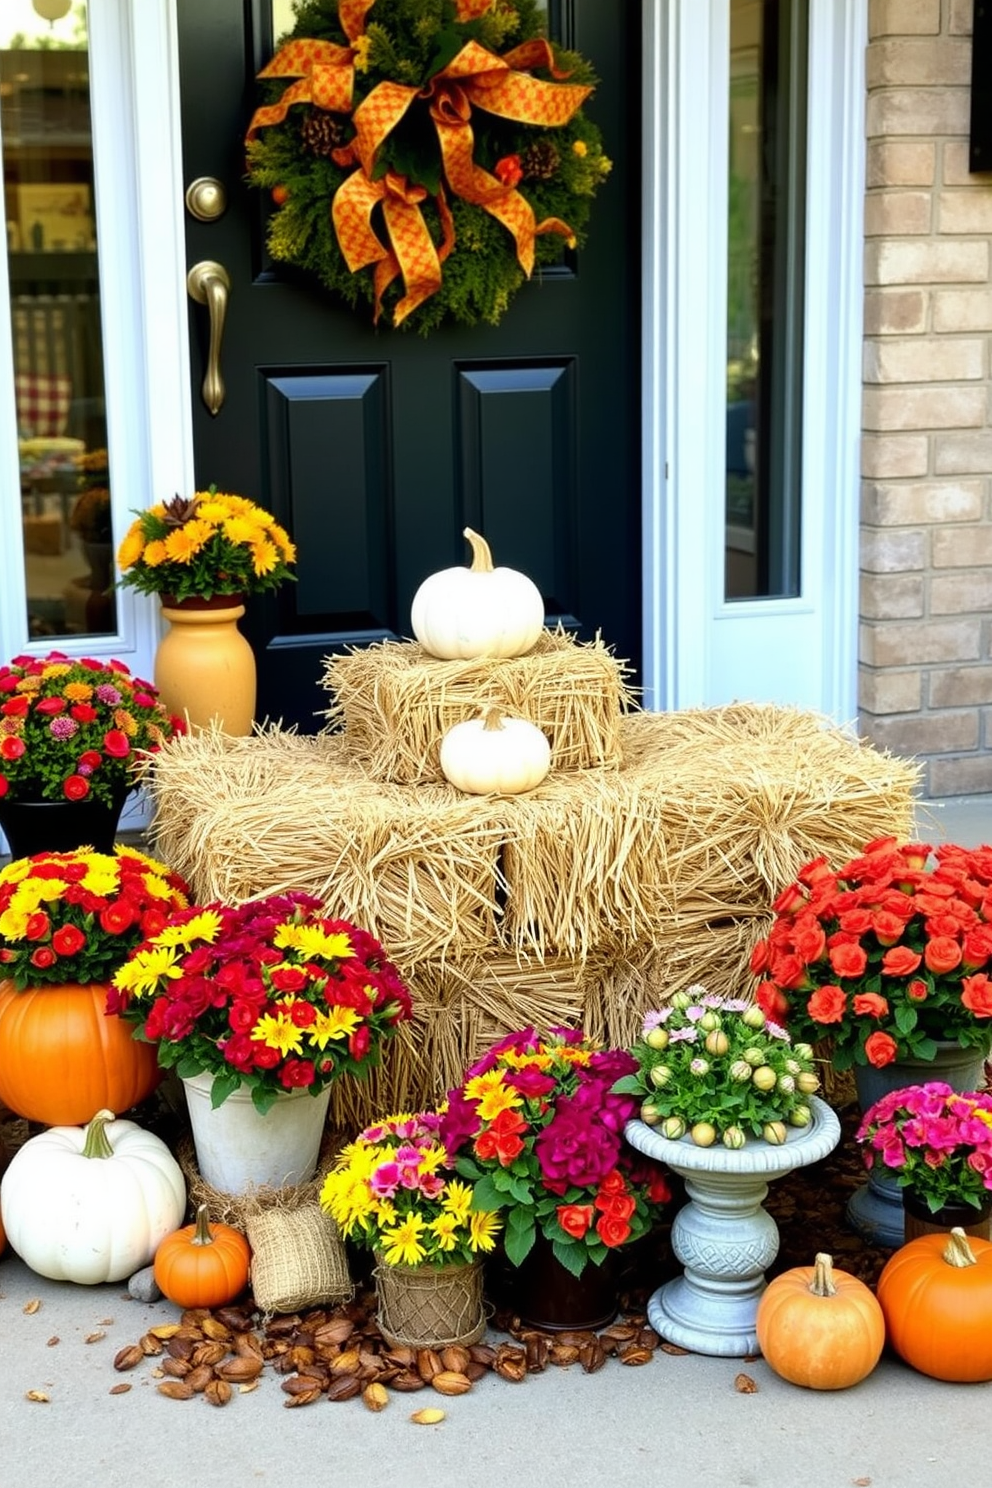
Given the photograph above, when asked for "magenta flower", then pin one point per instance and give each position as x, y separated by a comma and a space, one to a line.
385, 1180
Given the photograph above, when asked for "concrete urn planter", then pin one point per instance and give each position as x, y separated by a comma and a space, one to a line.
723, 1236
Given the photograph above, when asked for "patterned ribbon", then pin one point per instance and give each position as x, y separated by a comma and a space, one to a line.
411, 250
476, 78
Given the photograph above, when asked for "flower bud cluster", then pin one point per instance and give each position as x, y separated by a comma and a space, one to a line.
719, 1070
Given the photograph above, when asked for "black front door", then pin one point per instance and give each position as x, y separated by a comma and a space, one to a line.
375, 448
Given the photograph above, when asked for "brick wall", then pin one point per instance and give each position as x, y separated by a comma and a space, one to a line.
925, 651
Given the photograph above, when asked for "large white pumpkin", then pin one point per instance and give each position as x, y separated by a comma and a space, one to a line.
461, 613
91, 1204
495, 755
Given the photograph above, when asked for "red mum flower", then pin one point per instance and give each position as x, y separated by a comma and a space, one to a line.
43, 958
117, 744
50, 705
67, 940
84, 713
11, 748
75, 787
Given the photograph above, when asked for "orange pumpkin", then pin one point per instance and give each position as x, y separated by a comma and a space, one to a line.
203, 1264
936, 1294
819, 1327
62, 1058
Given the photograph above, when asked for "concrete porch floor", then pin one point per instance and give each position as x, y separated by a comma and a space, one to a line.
678, 1422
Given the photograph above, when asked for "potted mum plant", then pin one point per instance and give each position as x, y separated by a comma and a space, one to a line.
257, 1008
887, 960
937, 1143
728, 1102
72, 730
67, 922
393, 1190
203, 556
537, 1128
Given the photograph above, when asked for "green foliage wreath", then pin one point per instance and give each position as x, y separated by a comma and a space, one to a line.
305, 157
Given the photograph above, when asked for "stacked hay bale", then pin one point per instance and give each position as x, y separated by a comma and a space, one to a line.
649, 863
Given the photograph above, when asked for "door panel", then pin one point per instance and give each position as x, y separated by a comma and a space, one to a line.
376, 448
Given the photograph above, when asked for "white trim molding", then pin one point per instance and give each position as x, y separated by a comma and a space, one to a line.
699, 648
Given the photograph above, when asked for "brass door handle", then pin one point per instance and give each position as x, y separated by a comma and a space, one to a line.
209, 284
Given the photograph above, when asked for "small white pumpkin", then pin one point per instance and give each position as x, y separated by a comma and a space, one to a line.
495, 755
91, 1204
461, 613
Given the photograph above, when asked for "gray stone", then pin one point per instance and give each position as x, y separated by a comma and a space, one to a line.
143, 1287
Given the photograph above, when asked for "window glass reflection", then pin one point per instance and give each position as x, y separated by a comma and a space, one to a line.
54, 301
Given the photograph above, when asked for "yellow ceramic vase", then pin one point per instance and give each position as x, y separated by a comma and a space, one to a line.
204, 667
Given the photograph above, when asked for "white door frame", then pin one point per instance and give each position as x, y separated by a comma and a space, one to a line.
698, 648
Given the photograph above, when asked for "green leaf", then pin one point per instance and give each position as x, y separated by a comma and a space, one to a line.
571, 1255
521, 1191
519, 1219
628, 1085
519, 1243
189, 1066
225, 1085
925, 1048
906, 1018
466, 1167
486, 1195
261, 1097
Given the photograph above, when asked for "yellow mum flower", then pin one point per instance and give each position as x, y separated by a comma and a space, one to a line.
347, 1199
286, 937
580, 148
483, 1227
155, 553
15, 871
181, 546
572, 1055
157, 887
56, 669
53, 888
432, 1158
457, 1200
492, 1094
205, 926
541, 1061
13, 923
281, 538
280, 1033
240, 530
125, 722
444, 1228
401, 1244
131, 547
211, 511
78, 692
29, 684
264, 557
312, 941
337, 1023
146, 970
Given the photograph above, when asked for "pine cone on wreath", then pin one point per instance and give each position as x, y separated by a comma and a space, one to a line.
321, 132
540, 160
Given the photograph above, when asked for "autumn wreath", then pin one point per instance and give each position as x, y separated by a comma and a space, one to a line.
424, 156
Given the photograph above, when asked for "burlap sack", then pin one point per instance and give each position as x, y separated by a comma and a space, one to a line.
298, 1259
424, 1307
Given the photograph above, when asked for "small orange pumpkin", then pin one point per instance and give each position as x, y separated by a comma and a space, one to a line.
62, 1058
819, 1327
936, 1294
203, 1264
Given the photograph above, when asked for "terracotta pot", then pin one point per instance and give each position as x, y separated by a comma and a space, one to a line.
61, 826
204, 667
919, 1219
62, 1059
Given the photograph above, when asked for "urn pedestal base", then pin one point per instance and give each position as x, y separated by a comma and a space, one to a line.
723, 1236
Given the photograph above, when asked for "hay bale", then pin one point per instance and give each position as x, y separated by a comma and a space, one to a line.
395, 702
589, 900
710, 815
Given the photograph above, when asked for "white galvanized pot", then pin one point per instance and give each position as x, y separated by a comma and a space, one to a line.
238, 1149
